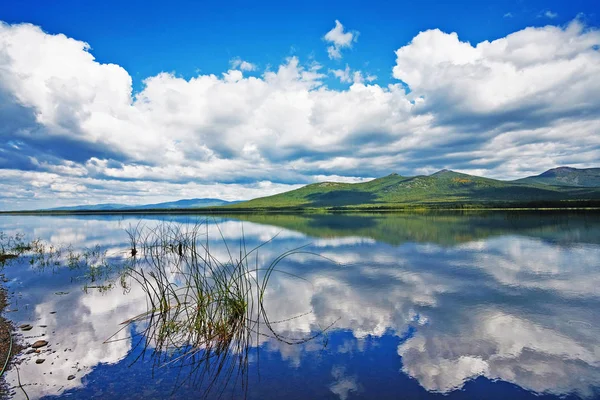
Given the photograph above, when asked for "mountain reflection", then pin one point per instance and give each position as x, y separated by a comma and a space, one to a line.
502, 296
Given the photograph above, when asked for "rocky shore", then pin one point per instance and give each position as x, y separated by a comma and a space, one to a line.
9, 347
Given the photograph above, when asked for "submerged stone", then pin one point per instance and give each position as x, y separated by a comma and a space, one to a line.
39, 343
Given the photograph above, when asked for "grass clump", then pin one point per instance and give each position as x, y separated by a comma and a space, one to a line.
11, 247
201, 312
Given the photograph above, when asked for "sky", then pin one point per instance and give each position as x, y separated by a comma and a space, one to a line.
147, 101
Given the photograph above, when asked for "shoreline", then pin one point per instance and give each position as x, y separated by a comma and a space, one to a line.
309, 210
9, 344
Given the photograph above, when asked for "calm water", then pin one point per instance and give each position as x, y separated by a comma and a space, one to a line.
422, 306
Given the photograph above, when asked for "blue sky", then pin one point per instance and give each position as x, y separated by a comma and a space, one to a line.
203, 99
150, 36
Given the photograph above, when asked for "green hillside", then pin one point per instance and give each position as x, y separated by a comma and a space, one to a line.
565, 176
441, 189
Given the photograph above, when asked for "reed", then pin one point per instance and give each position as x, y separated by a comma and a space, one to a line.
202, 313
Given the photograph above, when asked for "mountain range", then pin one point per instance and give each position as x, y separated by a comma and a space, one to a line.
172, 205
562, 187
566, 176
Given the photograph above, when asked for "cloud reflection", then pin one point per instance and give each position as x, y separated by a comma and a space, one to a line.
521, 309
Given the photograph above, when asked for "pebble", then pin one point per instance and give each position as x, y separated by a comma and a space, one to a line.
70, 377
40, 360
39, 343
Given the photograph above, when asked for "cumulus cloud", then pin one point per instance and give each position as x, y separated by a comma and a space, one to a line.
549, 14
339, 40
508, 108
238, 63
348, 76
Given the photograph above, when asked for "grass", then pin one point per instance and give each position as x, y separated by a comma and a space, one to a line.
202, 313
11, 247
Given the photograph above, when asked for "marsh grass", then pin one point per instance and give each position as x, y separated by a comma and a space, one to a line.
11, 247
203, 315
98, 269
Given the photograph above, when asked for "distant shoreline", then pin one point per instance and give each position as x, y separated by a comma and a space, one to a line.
579, 206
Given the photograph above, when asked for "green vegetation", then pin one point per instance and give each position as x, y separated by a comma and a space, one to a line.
11, 247
444, 189
561, 188
565, 176
201, 311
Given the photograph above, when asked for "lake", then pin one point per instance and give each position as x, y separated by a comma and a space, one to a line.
457, 306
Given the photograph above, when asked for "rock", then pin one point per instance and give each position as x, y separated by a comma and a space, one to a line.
30, 351
70, 377
26, 327
39, 343
40, 360
43, 326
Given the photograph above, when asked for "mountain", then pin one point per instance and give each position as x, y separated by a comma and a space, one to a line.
442, 189
566, 176
172, 205
187, 203
558, 187
93, 207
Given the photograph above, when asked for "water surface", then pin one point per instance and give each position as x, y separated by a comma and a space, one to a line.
419, 306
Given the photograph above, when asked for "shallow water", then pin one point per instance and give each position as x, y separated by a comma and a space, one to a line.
492, 305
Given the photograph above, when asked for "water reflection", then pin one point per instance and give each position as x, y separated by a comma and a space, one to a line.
420, 303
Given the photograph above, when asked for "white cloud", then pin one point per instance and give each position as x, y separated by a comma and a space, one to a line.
550, 14
342, 74
499, 108
346, 75
238, 63
534, 82
339, 40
